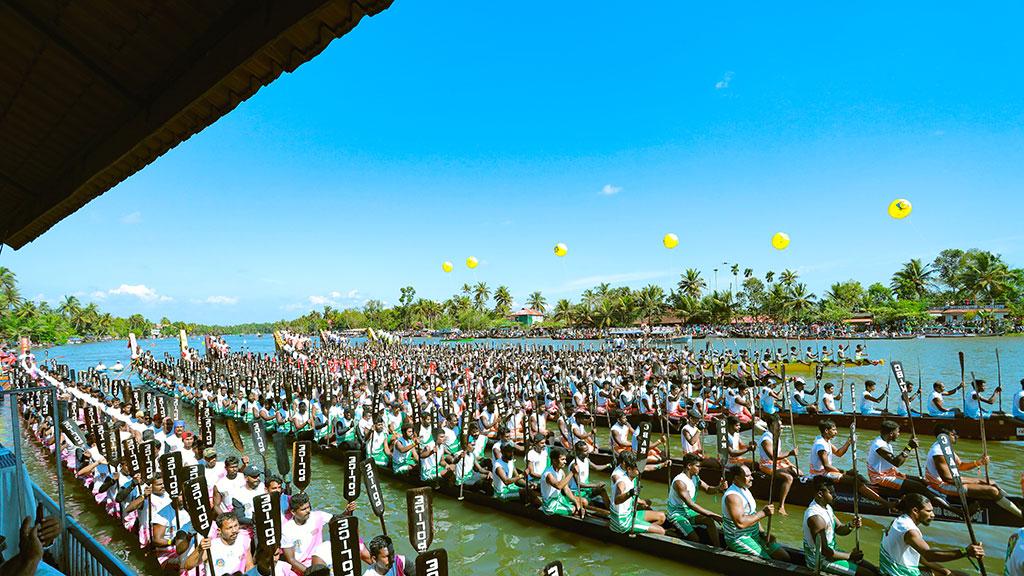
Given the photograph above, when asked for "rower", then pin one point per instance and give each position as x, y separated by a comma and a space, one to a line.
690, 433
741, 518
1018, 402
403, 454
594, 493
557, 499
904, 549
769, 397
623, 513
884, 462
537, 459
467, 464
828, 399
975, 400
378, 447
936, 408
939, 479
230, 554
621, 433
901, 404
737, 449
786, 472
799, 402
683, 510
505, 479
226, 487
302, 534
869, 403
1015, 554
820, 528
820, 463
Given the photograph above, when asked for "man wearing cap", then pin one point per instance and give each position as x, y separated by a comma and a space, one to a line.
188, 453
174, 441
213, 469
244, 494
799, 401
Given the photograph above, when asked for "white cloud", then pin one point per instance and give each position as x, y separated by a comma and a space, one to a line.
132, 218
321, 300
724, 82
354, 294
334, 299
227, 300
98, 295
140, 291
610, 190
335, 294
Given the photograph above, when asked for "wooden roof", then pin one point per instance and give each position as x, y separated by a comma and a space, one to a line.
92, 91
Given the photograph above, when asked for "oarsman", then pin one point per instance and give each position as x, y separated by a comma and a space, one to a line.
468, 470
904, 551
505, 479
976, 400
432, 457
624, 514
230, 554
939, 478
581, 428
250, 489
538, 459
621, 432
594, 493
828, 399
800, 401
820, 528
228, 486
1014, 565
737, 448
303, 533
691, 433
403, 455
554, 489
901, 404
1018, 402
936, 407
868, 405
741, 518
383, 560
213, 469
683, 510
884, 462
785, 472
377, 445
820, 463
770, 399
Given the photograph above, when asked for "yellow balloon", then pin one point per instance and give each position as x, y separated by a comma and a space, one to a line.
472, 262
561, 249
447, 266
780, 240
900, 208
670, 240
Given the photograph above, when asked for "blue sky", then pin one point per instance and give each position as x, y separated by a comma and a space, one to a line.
434, 132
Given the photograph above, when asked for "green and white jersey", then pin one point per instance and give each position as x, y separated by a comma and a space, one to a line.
810, 547
896, 557
729, 528
547, 491
675, 502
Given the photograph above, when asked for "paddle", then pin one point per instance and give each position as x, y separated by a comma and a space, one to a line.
723, 443
432, 563
259, 441
963, 394
775, 470
554, 569
344, 534
368, 471
819, 371
197, 504
856, 479
236, 439
999, 383
301, 465
946, 446
72, 431
170, 465
901, 383
420, 508
981, 423
643, 439
350, 485
266, 520
284, 464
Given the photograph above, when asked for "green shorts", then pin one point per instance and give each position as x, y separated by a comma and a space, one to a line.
559, 505
511, 492
841, 567
682, 518
753, 544
620, 524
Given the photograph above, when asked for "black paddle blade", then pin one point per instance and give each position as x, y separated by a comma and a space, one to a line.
131, 452
284, 464
554, 569
819, 371
147, 459
259, 438
236, 438
207, 431
74, 433
301, 465
266, 519
643, 439
368, 470
723, 444
197, 504
897, 371
419, 503
433, 563
170, 470
344, 531
350, 488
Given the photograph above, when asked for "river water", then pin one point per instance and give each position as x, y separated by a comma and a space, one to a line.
481, 542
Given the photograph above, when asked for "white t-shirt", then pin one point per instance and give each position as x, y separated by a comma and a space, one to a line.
228, 559
245, 495
815, 462
876, 463
228, 488
895, 552
1015, 554
306, 537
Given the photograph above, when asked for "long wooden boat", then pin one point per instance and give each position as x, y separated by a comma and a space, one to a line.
998, 427
808, 368
801, 494
668, 547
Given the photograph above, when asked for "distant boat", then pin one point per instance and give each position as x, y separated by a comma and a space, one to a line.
101, 367
117, 366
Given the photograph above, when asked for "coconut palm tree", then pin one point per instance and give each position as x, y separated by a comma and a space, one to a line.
537, 302
502, 301
987, 275
651, 302
691, 284
467, 290
799, 300
564, 311
913, 281
481, 293
10, 297
769, 277
788, 278
735, 269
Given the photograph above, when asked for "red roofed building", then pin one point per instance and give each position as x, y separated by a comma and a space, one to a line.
528, 316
